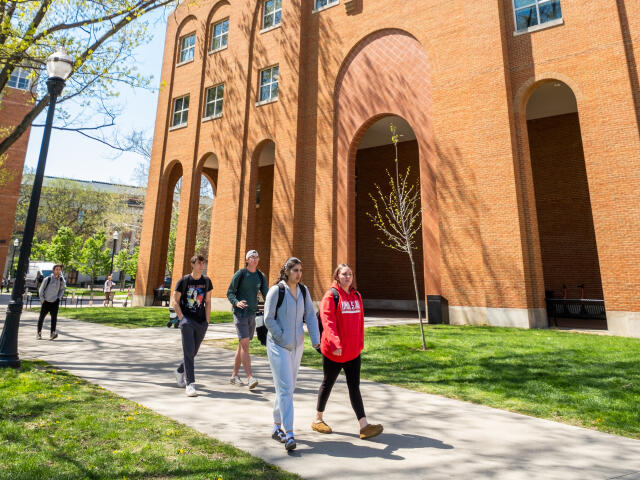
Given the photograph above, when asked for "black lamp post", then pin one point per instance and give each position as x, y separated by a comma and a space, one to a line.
16, 242
113, 250
59, 66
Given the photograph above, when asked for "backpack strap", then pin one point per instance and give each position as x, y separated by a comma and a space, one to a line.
244, 270
280, 298
46, 284
336, 297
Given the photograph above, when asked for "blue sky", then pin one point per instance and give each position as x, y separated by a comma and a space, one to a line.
73, 156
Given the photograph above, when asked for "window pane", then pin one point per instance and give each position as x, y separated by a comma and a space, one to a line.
275, 73
185, 103
265, 76
219, 107
278, 18
278, 4
268, 21
550, 11
217, 29
220, 91
274, 90
525, 18
268, 6
264, 93
225, 26
523, 3
178, 105
185, 114
176, 119
223, 40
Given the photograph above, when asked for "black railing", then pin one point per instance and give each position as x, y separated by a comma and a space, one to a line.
586, 309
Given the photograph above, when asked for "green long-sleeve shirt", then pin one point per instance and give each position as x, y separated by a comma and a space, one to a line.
251, 284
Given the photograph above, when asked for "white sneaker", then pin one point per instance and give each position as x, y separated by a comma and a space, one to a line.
235, 380
253, 383
191, 390
180, 379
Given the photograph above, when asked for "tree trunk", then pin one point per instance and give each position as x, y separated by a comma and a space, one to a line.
415, 286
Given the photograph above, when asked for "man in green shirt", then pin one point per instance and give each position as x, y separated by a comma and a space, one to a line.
243, 295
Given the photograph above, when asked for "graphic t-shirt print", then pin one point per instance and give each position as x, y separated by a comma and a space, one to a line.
352, 306
195, 297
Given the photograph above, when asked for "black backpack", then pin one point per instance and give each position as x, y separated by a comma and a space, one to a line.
262, 330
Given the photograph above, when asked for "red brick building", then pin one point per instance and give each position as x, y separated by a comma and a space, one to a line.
17, 100
521, 121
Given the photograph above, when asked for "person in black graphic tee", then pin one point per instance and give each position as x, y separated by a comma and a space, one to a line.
192, 303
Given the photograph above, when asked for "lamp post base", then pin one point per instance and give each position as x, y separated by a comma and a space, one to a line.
9, 340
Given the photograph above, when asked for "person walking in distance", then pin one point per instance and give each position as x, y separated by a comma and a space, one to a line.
108, 291
192, 303
288, 305
50, 293
243, 295
342, 317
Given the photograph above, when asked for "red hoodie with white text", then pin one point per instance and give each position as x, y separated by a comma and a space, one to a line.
344, 326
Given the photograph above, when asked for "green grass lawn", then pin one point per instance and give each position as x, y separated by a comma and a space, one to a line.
587, 380
130, 317
54, 425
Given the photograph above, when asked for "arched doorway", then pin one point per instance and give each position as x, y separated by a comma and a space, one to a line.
259, 233
206, 201
374, 158
568, 245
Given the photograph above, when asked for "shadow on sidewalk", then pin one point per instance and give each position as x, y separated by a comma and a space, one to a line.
391, 442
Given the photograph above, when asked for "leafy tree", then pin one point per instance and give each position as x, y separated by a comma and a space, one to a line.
65, 248
396, 215
127, 263
94, 258
99, 36
80, 207
39, 250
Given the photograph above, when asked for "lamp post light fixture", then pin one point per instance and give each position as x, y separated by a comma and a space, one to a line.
113, 250
16, 243
59, 66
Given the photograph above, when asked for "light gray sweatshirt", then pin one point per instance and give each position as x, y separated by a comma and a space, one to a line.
52, 288
287, 330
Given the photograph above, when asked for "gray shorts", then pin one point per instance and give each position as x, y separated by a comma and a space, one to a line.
245, 323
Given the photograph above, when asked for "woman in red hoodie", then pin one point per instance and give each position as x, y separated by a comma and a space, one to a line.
342, 342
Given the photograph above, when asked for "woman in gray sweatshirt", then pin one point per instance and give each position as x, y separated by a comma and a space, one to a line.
285, 342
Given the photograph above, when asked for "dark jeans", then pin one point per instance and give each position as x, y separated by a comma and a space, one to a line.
331, 371
52, 308
193, 333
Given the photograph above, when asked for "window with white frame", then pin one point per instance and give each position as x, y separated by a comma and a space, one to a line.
324, 3
531, 13
19, 79
269, 84
214, 100
187, 48
219, 35
180, 111
271, 13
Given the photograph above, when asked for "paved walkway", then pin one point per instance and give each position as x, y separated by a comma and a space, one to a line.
425, 436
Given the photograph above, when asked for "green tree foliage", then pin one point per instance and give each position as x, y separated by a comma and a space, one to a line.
64, 248
127, 263
99, 36
80, 207
397, 216
94, 258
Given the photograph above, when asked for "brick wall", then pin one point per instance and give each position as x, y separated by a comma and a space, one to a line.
14, 105
381, 272
565, 222
461, 78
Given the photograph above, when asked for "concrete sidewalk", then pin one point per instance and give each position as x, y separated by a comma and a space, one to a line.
425, 436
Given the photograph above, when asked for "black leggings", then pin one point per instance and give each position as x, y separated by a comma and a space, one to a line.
331, 371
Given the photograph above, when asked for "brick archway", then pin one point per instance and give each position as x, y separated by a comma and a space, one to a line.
386, 73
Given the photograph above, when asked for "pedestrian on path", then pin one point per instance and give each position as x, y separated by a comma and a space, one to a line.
288, 305
192, 303
50, 293
243, 295
342, 315
108, 291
